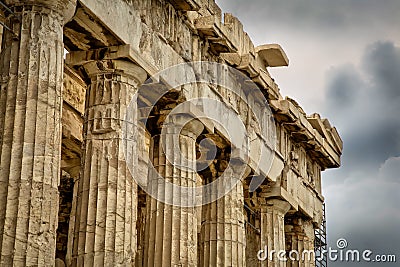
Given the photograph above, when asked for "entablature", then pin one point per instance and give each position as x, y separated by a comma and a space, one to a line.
320, 140
160, 34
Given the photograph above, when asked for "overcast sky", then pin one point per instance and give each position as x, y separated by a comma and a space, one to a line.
344, 64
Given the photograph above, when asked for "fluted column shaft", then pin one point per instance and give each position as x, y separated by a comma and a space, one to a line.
223, 233
171, 231
105, 231
273, 231
31, 69
300, 243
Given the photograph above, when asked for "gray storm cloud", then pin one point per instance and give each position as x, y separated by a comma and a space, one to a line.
343, 15
345, 64
364, 104
363, 195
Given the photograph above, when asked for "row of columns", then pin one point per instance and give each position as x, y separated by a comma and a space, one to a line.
105, 203
300, 238
287, 240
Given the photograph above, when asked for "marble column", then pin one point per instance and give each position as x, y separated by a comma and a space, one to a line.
31, 80
171, 231
223, 233
300, 242
105, 230
273, 231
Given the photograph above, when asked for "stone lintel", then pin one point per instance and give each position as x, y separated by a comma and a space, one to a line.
259, 154
195, 112
280, 193
188, 125
113, 52
72, 123
72, 138
74, 90
71, 166
78, 58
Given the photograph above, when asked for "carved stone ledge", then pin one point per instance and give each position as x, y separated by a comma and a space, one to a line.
272, 55
297, 124
212, 29
186, 5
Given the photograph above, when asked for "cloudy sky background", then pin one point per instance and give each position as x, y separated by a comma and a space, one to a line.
344, 64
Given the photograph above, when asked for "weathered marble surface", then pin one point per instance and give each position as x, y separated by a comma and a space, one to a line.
113, 47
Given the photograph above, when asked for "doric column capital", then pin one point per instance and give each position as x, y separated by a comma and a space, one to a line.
116, 66
66, 8
182, 124
188, 125
194, 127
277, 205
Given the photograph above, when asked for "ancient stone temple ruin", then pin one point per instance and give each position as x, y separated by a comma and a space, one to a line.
74, 166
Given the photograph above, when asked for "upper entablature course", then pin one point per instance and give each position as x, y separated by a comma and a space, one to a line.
162, 33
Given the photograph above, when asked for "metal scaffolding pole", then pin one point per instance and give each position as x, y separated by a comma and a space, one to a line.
321, 244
